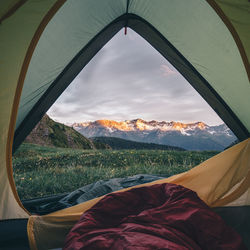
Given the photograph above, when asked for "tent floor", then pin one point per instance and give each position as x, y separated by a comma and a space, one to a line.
13, 234
238, 218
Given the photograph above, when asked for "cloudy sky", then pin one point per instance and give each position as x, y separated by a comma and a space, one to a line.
129, 79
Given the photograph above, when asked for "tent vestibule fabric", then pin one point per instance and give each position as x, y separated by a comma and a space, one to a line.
44, 44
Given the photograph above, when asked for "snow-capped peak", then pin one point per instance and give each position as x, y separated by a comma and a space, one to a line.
141, 125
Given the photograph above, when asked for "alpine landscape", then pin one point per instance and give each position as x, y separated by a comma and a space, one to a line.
87, 152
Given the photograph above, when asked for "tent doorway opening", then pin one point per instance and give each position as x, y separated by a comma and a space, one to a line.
128, 113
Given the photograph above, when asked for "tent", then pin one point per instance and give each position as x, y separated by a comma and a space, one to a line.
45, 44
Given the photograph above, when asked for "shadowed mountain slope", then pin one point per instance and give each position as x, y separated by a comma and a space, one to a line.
50, 133
118, 143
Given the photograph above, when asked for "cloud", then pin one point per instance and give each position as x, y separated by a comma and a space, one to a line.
129, 79
166, 71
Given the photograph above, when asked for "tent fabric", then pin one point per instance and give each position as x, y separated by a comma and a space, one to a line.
213, 181
238, 218
34, 71
163, 216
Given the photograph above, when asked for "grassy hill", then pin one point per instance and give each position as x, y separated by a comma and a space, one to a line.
50, 133
118, 143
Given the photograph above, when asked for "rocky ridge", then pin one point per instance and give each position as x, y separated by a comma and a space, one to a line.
190, 136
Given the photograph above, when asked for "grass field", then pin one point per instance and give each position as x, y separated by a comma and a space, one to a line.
41, 171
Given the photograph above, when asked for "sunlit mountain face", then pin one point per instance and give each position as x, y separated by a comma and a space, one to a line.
191, 136
141, 125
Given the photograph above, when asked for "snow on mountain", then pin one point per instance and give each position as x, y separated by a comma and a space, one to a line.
191, 136
141, 125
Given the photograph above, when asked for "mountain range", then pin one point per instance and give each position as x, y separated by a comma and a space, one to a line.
50, 133
190, 136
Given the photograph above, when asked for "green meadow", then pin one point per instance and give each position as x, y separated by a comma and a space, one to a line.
42, 171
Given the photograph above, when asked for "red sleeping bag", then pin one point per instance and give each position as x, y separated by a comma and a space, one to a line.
164, 216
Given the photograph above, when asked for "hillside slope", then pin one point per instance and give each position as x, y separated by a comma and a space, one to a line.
50, 133
118, 143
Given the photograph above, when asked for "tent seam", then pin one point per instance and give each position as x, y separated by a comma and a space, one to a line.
234, 34
30, 232
12, 10
235, 194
